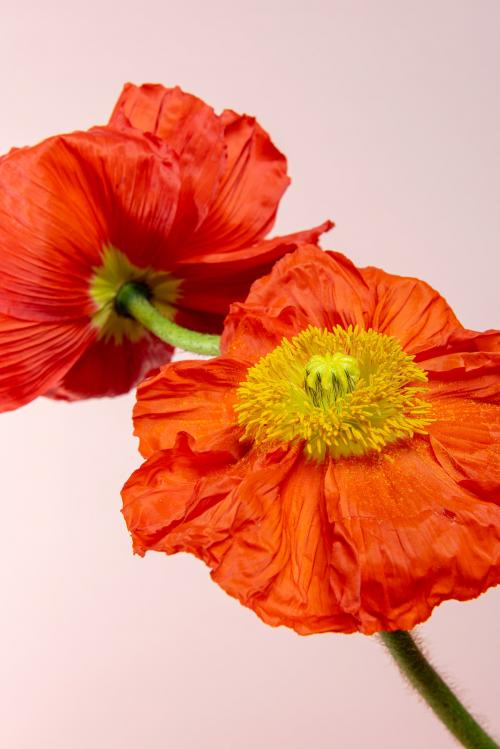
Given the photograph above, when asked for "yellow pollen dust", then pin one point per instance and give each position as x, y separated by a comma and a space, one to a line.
341, 393
116, 270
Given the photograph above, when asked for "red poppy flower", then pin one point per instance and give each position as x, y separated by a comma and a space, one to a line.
338, 467
183, 210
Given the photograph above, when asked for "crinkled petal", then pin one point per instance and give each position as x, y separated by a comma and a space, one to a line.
109, 368
308, 287
36, 355
253, 182
232, 175
467, 366
410, 310
191, 396
64, 200
215, 281
159, 497
258, 523
277, 556
406, 537
465, 438
196, 134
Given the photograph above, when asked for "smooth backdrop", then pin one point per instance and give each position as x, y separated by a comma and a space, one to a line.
389, 112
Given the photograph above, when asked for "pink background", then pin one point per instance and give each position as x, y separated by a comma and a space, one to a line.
389, 113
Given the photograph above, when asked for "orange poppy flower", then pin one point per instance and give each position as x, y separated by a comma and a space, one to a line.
338, 467
182, 210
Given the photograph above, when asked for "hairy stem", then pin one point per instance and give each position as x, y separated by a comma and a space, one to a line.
133, 300
424, 678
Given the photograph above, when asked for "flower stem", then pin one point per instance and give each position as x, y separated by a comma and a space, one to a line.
424, 678
133, 300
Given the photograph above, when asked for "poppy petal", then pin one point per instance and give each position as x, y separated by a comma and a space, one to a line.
108, 368
159, 495
410, 310
191, 396
465, 438
214, 282
406, 537
467, 366
309, 287
365, 543
195, 133
64, 200
250, 521
252, 185
276, 555
36, 355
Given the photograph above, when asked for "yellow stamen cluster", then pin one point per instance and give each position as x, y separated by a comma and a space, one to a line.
116, 270
340, 393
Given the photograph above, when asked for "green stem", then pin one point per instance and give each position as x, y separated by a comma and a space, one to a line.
133, 300
425, 679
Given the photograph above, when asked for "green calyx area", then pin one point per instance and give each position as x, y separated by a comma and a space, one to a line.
132, 302
114, 322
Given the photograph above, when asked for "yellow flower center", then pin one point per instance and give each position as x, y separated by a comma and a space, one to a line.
330, 376
116, 270
340, 393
